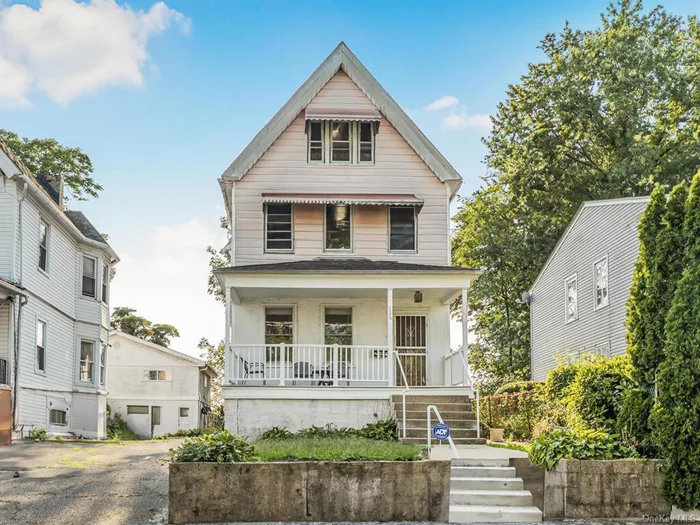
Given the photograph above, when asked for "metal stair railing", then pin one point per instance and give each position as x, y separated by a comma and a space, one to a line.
403, 394
455, 452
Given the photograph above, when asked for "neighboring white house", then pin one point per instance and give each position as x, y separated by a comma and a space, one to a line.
155, 389
341, 281
578, 303
54, 306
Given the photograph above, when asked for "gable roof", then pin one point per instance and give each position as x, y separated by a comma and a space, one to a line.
166, 351
81, 222
343, 58
574, 220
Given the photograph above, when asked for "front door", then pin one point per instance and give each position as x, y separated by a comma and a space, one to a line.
410, 342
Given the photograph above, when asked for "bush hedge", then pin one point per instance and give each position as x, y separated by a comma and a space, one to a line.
515, 387
381, 430
118, 430
219, 447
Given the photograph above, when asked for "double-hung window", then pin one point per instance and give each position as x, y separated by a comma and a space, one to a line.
105, 283
279, 328
315, 138
340, 142
571, 290
600, 276
41, 346
89, 276
338, 331
366, 142
156, 375
58, 417
87, 361
103, 364
338, 230
402, 229
279, 226
43, 245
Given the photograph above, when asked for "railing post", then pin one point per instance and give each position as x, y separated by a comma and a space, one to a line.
283, 363
228, 365
335, 364
390, 335
465, 326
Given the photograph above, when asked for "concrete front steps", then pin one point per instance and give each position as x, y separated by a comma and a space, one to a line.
455, 410
487, 490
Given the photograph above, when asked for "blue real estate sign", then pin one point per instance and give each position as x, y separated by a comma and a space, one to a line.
441, 432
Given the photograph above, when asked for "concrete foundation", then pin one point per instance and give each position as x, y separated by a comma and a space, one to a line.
309, 491
604, 489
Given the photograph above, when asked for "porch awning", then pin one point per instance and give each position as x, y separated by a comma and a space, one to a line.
363, 115
364, 199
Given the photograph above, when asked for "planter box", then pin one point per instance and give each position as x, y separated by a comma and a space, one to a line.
309, 491
620, 488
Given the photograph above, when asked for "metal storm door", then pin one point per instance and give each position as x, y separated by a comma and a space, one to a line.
410, 342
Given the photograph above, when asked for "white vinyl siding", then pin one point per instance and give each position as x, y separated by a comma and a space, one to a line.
397, 169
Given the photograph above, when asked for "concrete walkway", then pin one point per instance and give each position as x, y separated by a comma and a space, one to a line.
444, 451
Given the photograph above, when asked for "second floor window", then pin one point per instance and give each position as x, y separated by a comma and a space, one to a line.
41, 346
156, 375
571, 287
338, 230
340, 141
87, 361
600, 270
278, 228
89, 276
43, 245
402, 229
105, 283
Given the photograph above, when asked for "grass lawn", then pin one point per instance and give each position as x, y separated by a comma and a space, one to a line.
335, 449
523, 447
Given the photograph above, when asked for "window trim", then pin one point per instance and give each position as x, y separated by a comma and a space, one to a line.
65, 412
373, 133
352, 230
415, 230
596, 307
273, 250
105, 281
323, 142
46, 248
82, 276
351, 142
573, 277
45, 333
80, 361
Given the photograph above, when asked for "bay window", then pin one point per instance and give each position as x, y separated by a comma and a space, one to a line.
87, 361
89, 276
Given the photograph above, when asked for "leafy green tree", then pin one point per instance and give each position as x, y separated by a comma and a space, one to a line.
608, 113
676, 417
218, 259
214, 355
48, 156
125, 320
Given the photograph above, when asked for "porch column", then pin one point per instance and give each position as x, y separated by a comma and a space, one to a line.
390, 335
227, 336
465, 326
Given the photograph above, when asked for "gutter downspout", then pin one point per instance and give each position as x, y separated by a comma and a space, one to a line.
19, 301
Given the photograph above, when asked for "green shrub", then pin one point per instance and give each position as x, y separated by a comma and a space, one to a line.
633, 419
516, 413
515, 387
335, 449
277, 433
118, 430
219, 447
560, 377
189, 432
381, 430
594, 398
329, 430
37, 434
564, 443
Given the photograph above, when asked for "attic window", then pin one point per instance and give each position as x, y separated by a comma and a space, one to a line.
341, 141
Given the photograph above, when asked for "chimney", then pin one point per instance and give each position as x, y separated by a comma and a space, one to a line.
53, 184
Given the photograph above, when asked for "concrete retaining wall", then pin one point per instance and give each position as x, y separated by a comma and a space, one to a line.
533, 479
604, 489
309, 491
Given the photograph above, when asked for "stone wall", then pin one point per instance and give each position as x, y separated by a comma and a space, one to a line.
309, 491
604, 489
533, 479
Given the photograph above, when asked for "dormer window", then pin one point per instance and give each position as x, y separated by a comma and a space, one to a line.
340, 141
341, 136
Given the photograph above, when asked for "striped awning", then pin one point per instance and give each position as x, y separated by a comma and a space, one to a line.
363, 199
362, 115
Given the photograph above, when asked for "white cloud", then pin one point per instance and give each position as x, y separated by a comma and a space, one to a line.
66, 48
442, 103
165, 279
464, 120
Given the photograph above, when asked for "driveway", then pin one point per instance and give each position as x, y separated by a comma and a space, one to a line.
84, 483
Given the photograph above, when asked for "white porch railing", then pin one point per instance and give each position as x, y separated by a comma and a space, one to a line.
456, 373
309, 365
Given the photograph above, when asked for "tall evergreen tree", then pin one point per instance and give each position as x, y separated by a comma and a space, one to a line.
676, 418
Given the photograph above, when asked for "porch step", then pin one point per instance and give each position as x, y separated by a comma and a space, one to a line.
455, 432
509, 498
494, 513
457, 441
433, 399
468, 424
442, 407
472, 483
480, 462
422, 414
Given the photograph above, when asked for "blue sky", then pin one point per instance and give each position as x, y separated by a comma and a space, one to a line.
212, 75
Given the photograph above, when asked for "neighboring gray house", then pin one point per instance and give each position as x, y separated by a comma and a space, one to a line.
578, 302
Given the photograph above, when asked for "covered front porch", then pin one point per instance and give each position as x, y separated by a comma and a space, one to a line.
347, 324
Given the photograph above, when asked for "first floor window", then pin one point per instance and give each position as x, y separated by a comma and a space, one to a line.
41, 346
278, 228
89, 276
600, 270
571, 287
338, 331
43, 244
315, 138
103, 367
58, 417
184, 412
87, 361
136, 409
156, 375
402, 228
338, 227
340, 141
279, 328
